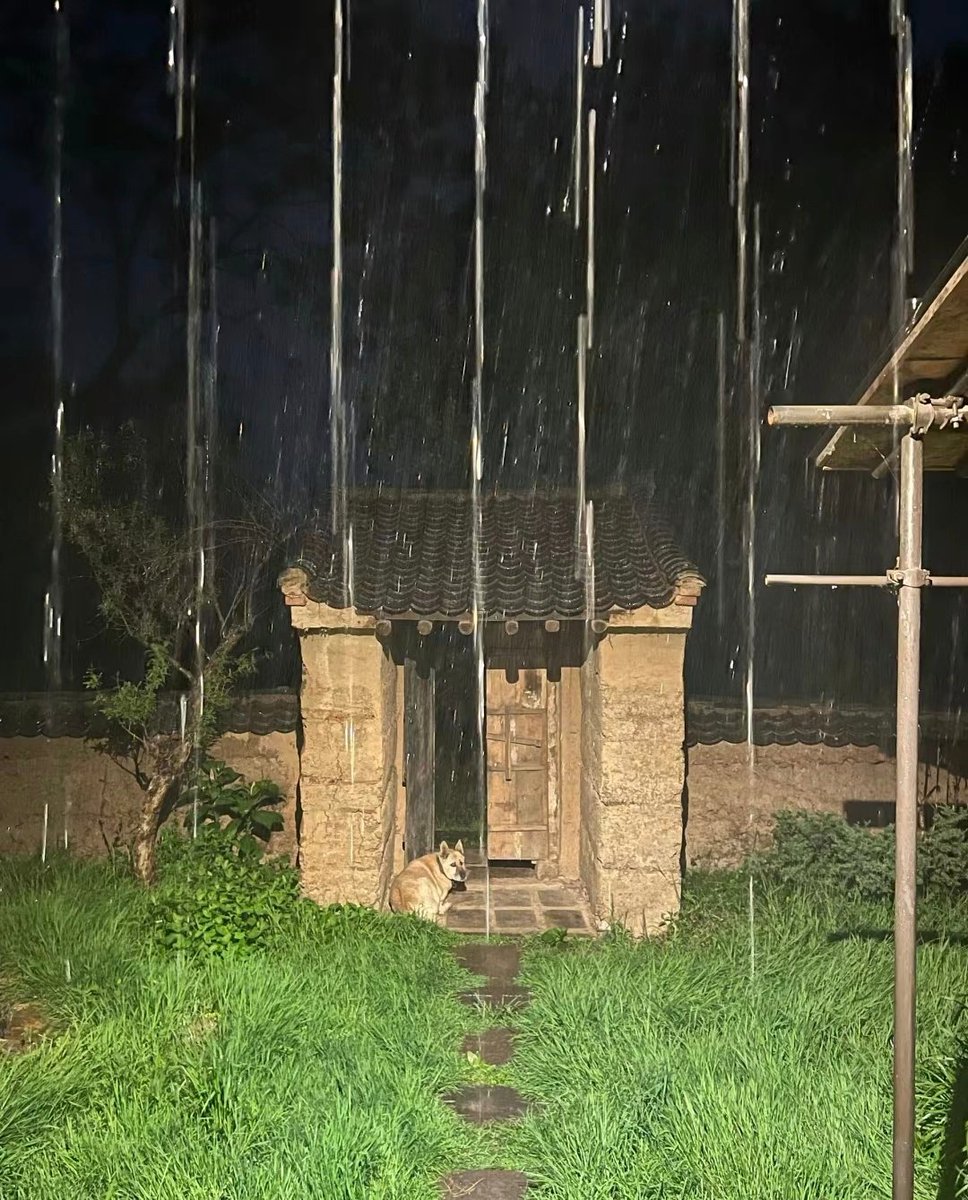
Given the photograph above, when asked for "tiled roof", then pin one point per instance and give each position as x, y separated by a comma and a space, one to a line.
709, 721
412, 553
75, 715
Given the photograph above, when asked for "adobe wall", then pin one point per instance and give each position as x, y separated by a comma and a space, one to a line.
568, 765
731, 806
349, 787
633, 771
98, 803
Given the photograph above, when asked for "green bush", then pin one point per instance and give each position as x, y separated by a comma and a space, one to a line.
210, 899
221, 798
821, 851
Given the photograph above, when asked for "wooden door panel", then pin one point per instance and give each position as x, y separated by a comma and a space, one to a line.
517, 766
520, 846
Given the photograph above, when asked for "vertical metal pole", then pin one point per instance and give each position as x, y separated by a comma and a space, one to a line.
905, 880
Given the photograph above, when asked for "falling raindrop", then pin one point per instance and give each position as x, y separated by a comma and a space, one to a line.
53, 600
590, 230
476, 440
579, 110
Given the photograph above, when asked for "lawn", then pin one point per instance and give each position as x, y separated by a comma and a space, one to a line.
311, 1068
667, 1072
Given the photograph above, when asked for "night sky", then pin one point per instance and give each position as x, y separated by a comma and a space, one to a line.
823, 170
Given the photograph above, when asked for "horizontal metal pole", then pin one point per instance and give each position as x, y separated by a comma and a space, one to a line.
841, 414
887, 580
832, 580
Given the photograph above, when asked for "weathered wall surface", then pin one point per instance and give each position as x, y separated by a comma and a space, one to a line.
731, 804
568, 766
97, 802
589, 837
643, 767
348, 779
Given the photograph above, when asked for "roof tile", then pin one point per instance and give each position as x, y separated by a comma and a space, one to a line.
412, 553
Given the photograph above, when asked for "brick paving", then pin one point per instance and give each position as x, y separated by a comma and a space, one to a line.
520, 904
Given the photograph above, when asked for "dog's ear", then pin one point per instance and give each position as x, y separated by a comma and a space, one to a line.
444, 848
460, 847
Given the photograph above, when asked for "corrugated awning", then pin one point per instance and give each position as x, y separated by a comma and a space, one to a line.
932, 357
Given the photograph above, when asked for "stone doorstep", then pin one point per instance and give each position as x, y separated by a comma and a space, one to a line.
484, 1185
471, 922
484, 1103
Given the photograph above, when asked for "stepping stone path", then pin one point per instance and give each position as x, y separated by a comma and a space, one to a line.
483, 1104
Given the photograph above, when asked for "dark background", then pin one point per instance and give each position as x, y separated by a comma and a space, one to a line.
823, 172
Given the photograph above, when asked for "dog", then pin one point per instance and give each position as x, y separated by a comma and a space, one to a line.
422, 886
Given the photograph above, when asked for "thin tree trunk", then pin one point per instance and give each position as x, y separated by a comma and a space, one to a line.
158, 802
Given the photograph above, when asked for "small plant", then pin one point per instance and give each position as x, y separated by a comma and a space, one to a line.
477, 1070
552, 938
336, 919
242, 810
944, 852
820, 850
212, 900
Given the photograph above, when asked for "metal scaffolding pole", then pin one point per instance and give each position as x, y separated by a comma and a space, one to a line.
908, 578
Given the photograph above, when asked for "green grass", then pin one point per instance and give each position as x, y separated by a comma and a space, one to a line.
313, 1071
664, 1072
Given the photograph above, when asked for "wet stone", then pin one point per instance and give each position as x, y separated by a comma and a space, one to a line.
564, 918
518, 874
467, 919
556, 897
483, 1103
493, 1046
493, 961
512, 898
24, 1028
515, 920
484, 1185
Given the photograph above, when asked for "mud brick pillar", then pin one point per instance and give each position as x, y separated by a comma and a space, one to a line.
348, 784
633, 768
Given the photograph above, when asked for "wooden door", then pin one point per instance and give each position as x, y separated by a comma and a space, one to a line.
419, 729
517, 766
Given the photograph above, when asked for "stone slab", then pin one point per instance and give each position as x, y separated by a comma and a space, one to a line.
565, 918
515, 920
494, 961
484, 1103
494, 1046
555, 897
467, 919
517, 897
518, 874
484, 1185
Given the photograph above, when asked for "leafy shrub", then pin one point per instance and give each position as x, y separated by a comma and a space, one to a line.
213, 900
943, 852
242, 810
821, 851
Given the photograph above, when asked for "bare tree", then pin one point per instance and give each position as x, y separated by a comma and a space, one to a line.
187, 595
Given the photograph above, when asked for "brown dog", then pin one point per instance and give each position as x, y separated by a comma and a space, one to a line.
423, 885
